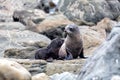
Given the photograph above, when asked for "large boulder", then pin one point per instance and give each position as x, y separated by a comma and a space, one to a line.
11, 70
89, 11
91, 39
11, 26
105, 62
23, 42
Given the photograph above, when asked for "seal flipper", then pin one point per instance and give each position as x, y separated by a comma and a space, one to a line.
69, 55
81, 55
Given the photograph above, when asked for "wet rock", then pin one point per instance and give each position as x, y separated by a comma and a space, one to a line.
105, 61
21, 40
41, 76
64, 76
89, 11
11, 26
11, 70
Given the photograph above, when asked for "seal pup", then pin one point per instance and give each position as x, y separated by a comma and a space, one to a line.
51, 51
73, 44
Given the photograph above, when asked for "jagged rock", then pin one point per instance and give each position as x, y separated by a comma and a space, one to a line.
11, 70
21, 40
89, 11
41, 76
105, 62
11, 26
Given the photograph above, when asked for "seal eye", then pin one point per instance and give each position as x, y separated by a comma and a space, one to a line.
71, 29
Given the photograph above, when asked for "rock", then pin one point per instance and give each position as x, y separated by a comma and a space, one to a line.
11, 70
21, 40
118, 19
89, 11
41, 76
7, 7
55, 32
64, 76
104, 26
24, 16
91, 39
115, 77
105, 62
33, 66
11, 26
58, 66
52, 22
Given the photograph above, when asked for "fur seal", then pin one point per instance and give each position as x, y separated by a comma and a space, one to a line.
51, 51
73, 44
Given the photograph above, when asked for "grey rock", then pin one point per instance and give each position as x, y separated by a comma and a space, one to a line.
11, 26
89, 11
24, 16
7, 7
33, 66
63, 76
15, 39
60, 66
105, 62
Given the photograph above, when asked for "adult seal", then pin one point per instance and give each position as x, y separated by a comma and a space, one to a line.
73, 44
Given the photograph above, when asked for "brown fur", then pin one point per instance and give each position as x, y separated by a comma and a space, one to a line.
73, 45
51, 51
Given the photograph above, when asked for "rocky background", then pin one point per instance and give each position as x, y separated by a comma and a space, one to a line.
27, 25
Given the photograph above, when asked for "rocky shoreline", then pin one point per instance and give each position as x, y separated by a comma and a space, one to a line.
28, 25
